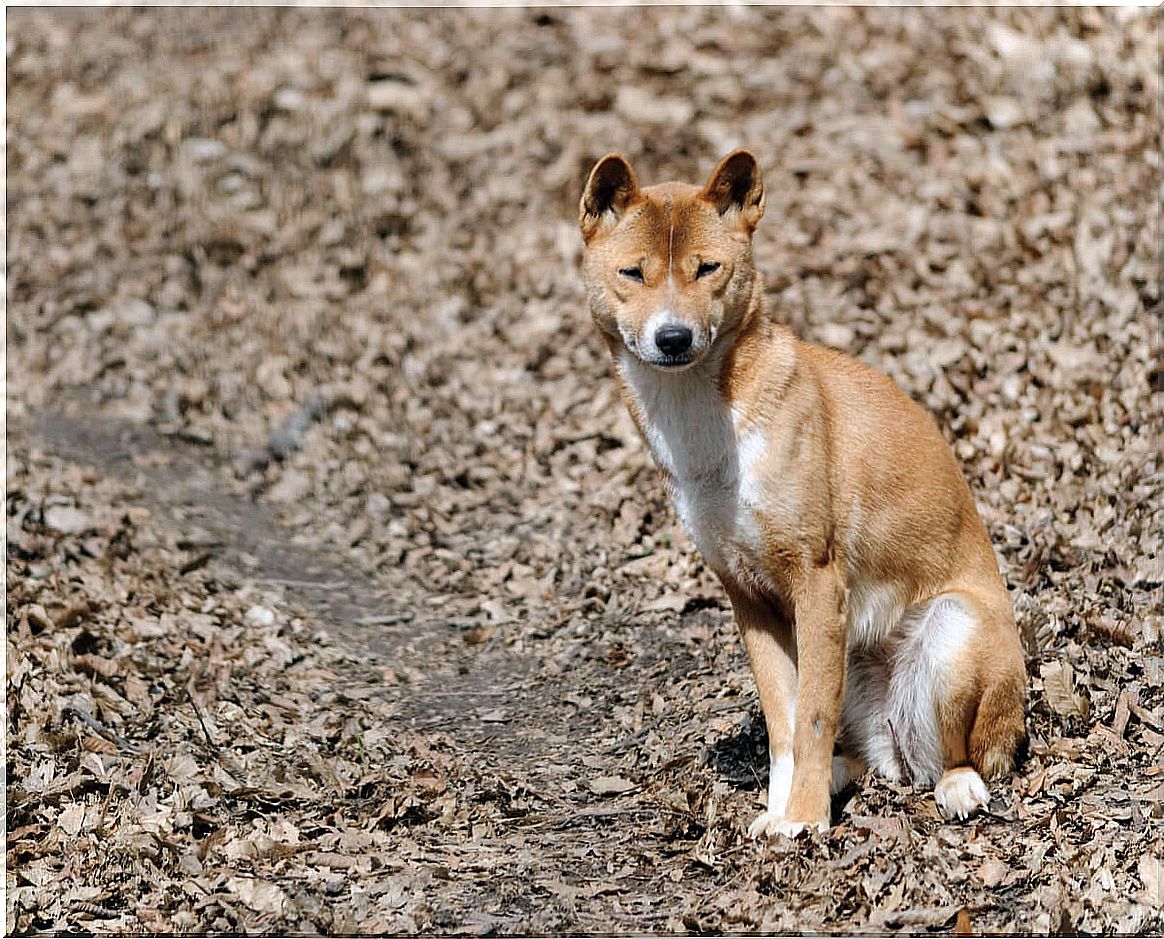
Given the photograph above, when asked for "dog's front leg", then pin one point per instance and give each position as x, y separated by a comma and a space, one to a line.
820, 688
772, 655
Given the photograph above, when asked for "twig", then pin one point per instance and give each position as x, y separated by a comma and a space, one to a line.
283, 582
627, 810
628, 741
386, 619
198, 713
285, 438
196, 562
899, 752
92, 909
107, 732
464, 694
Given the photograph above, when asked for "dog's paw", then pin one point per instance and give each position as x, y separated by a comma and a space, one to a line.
961, 792
768, 824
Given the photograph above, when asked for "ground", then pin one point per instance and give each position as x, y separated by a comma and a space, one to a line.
342, 596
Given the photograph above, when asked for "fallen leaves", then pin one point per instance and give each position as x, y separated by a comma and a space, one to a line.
1059, 687
335, 258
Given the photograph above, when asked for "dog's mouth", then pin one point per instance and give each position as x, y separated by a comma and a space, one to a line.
650, 355
661, 361
672, 363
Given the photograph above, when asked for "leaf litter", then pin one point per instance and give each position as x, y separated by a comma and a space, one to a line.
342, 596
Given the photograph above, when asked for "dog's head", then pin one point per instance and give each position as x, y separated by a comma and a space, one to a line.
668, 268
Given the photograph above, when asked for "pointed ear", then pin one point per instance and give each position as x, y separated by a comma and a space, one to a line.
609, 190
736, 186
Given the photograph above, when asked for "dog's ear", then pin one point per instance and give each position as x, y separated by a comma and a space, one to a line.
609, 190
736, 186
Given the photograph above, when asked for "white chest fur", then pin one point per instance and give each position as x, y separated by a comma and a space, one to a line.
712, 462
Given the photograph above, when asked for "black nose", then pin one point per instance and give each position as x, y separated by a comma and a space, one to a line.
673, 339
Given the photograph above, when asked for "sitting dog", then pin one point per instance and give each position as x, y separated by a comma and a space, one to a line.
862, 580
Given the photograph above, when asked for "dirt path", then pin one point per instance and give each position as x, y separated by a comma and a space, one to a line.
342, 596
450, 687
172, 479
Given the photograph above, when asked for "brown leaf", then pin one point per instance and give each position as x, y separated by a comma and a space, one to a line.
72, 818
67, 519
262, 896
610, 785
1059, 688
992, 872
1151, 871
429, 781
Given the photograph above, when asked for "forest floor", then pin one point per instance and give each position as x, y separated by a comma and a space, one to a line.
342, 596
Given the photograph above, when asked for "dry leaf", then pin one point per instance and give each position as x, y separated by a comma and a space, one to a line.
72, 819
992, 872
610, 785
1059, 687
67, 519
1151, 871
260, 895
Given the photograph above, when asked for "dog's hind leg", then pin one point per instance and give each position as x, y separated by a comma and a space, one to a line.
972, 661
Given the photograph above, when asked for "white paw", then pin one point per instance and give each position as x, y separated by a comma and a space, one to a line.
961, 792
769, 823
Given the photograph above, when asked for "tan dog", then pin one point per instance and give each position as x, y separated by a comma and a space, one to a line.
827, 502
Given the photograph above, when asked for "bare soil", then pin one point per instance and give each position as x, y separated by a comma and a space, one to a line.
341, 595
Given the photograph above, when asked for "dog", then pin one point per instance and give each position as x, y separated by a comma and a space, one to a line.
862, 581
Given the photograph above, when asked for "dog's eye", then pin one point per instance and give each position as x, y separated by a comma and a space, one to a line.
632, 273
707, 267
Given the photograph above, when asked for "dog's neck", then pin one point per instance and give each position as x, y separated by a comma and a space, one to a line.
692, 419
